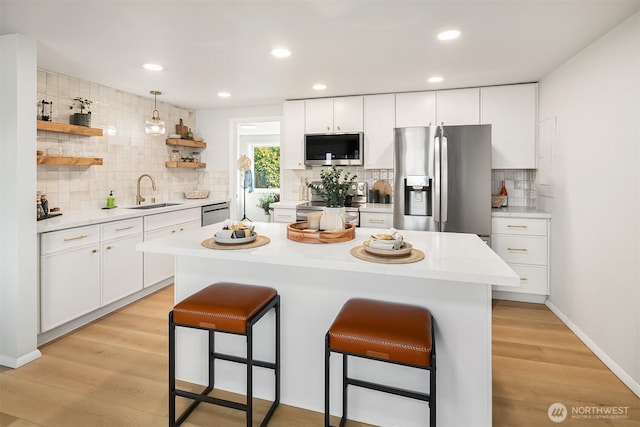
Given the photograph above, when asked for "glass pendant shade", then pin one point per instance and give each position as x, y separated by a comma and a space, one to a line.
154, 126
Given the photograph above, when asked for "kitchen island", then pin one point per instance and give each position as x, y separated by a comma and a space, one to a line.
314, 280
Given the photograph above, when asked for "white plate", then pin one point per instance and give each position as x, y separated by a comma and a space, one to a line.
235, 241
404, 250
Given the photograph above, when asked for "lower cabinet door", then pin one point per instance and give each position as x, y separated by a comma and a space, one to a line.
533, 280
121, 268
69, 286
158, 267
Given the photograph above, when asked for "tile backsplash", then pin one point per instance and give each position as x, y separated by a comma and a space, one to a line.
127, 151
520, 184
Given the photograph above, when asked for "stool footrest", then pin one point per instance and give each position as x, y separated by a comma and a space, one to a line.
388, 389
237, 359
205, 398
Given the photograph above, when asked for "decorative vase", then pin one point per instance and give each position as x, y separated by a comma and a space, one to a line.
332, 219
81, 119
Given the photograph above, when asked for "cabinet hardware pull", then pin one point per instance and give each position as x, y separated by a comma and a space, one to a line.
518, 249
284, 216
82, 236
124, 228
376, 220
524, 279
173, 231
517, 226
338, 127
181, 229
109, 248
94, 251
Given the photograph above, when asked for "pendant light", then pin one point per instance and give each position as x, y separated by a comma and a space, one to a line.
154, 126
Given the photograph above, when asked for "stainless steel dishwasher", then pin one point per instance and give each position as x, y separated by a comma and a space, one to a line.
215, 212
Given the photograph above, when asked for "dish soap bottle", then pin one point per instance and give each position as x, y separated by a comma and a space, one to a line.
503, 192
111, 201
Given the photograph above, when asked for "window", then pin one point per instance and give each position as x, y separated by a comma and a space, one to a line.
266, 166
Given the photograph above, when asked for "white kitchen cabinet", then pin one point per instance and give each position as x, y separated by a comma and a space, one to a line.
334, 115
282, 214
292, 150
379, 121
512, 112
524, 244
376, 220
159, 267
69, 275
415, 109
458, 107
121, 262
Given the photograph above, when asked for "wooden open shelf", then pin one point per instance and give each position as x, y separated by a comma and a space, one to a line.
65, 160
66, 128
186, 143
186, 165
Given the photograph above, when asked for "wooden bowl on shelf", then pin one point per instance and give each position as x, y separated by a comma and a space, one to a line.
300, 232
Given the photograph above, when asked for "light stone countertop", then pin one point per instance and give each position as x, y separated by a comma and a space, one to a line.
448, 256
97, 216
519, 212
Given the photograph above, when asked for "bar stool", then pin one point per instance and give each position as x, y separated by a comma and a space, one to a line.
388, 332
232, 309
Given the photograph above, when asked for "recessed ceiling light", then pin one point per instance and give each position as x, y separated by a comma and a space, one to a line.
281, 52
435, 79
319, 86
449, 35
224, 94
153, 67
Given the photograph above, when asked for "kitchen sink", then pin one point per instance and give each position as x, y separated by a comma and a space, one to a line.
156, 205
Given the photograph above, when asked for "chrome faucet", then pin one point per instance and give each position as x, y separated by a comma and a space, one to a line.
139, 198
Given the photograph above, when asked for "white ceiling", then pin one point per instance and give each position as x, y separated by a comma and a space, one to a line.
354, 47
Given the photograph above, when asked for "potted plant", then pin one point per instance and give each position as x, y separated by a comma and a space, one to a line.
82, 118
266, 199
333, 191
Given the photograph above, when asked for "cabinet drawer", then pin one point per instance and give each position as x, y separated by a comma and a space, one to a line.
284, 215
153, 222
523, 226
533, 280
117, 229
376, 220
520, 249
70, 238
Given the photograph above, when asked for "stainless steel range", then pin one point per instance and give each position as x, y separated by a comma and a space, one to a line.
357, 196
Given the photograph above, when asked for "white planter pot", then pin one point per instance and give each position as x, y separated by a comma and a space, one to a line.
332, 219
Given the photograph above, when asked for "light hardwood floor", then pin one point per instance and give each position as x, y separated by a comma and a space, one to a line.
113, 373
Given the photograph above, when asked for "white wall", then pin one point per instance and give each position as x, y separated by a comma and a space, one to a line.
216, 127
18, 251
595, 229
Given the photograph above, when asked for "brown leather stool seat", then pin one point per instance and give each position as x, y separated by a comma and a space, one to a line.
390, 332
226, 308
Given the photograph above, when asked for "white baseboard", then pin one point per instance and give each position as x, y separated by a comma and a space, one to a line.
610, 363
518, 296
16, 362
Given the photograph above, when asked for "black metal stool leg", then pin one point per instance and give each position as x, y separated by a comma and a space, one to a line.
250, 376
345, 374
212, 359
172, 371
327, 368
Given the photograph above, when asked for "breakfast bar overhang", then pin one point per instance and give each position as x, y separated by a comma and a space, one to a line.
453, 281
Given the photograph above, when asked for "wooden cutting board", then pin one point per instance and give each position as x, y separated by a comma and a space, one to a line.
383, 187
182, 130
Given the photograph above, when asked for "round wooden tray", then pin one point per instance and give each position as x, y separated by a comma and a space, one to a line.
299, 232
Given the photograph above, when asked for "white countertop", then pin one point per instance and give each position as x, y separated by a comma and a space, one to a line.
519, 212
448, 256
97, 216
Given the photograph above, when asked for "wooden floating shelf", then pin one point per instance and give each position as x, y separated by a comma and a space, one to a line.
186, 165
66, 128
66, 160
186, 143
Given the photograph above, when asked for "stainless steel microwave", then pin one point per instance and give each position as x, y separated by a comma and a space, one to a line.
342, 149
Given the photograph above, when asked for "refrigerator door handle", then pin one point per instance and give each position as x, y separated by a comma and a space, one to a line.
444, 179
436, 182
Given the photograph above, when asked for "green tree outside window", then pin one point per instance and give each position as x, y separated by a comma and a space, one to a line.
266, 160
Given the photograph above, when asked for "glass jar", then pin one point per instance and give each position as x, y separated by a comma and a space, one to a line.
196, 156
175, 155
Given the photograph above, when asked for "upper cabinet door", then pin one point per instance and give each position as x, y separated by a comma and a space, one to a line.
348, 114
379, 121
458, 107
292, 150
415, 109
319, 115
512, 113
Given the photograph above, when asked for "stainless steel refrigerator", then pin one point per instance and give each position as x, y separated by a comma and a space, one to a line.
443, 179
